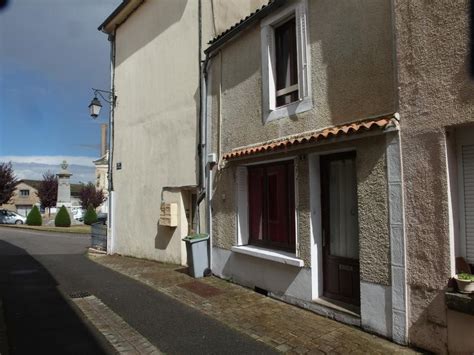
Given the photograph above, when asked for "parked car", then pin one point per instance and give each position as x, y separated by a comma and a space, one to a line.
102, 218
10, 217
78, 214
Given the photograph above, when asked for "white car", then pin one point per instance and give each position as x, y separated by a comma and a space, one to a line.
78, 214
10, 217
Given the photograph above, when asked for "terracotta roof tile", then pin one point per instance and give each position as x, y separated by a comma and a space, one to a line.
379, 123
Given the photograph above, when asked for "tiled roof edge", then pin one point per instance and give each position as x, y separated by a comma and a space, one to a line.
235, 29
382, 122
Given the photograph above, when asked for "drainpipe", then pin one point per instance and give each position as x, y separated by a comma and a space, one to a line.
209, 161
202, 124
205, 173
110, 221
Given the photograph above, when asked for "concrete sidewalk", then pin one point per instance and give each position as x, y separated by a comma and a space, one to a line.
284, 327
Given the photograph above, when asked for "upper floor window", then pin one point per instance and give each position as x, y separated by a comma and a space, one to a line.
285, 63
286, 58
24, 193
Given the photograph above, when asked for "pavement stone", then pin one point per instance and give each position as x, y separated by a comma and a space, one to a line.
119, 334
286, 328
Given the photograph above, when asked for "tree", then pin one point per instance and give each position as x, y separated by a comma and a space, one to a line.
90, 196
34, 217
90, 216
62, 218
48, 191
8, 182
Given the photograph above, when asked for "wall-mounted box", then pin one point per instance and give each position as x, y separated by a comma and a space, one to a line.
169, 214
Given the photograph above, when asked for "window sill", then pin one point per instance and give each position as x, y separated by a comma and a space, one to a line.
460, 302
289, 110
267, 254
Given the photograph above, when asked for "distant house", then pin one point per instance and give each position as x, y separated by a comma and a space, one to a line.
101, 167
102, 164
26, 196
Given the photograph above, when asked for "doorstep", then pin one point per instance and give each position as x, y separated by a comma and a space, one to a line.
339, 311
328, 308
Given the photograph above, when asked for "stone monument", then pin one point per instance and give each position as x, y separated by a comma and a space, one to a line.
64, 187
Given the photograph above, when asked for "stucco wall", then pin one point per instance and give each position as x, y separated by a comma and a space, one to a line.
156, 81
17, 199
351, 72
374, 237
435, 92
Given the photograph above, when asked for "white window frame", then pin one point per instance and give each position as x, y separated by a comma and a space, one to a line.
463, 137
305, 102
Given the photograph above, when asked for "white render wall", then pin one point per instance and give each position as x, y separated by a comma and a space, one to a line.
156, 117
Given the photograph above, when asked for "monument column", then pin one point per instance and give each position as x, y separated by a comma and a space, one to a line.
64, 187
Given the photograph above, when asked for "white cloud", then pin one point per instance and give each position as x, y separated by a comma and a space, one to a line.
53, 160
35, 171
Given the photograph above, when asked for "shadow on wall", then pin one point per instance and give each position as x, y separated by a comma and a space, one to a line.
159, 16
37, 316
429, 329
163, 236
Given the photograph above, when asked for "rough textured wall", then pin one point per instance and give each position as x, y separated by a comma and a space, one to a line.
303, 209
435, 91
156, 80
374, 238
372, 189
351, 72
224, 205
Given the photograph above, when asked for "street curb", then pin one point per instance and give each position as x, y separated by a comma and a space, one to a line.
98, 336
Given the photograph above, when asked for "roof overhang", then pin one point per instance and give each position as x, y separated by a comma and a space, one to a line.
248, 21
381, 124
119, 15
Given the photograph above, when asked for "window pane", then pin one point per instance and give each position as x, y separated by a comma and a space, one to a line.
256, 181
271, 205
278, 209
286, 60
343, 209
287, 99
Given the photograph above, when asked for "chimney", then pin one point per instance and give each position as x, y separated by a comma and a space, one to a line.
103, 139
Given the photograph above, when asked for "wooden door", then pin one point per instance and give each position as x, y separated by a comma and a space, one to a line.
341, 280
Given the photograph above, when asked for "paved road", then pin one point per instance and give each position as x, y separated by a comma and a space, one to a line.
38, 269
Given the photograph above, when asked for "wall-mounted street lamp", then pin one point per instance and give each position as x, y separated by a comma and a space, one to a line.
96, 105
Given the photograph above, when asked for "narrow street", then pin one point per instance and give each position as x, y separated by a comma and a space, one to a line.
40, 271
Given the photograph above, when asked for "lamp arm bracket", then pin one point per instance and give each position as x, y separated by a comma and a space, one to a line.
110, 99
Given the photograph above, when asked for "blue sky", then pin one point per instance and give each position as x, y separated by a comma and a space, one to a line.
51, 54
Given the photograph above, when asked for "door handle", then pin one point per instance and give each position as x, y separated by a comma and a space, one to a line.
346, 267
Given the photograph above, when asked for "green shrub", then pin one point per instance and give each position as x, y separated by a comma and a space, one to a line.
62, 218
34, 217
90, 216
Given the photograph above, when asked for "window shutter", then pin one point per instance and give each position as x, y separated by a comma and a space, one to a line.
242, 206
468, 182
301, 39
